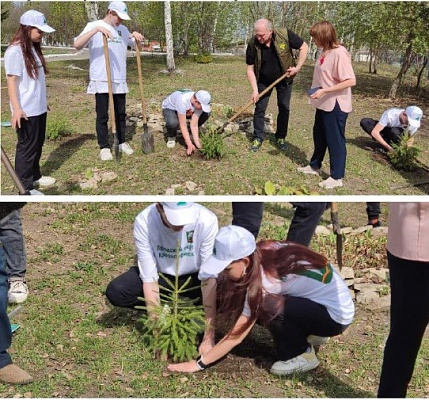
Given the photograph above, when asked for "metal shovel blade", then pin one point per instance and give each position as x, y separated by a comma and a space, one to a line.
148, 142
116, 146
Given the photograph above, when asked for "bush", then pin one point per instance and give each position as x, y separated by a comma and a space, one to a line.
203, 58
212, 142
57, 127
404, 156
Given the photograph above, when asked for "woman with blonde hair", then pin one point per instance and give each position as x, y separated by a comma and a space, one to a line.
331, 95
285, 286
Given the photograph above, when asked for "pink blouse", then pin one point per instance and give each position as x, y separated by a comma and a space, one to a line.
333, 68
408, 235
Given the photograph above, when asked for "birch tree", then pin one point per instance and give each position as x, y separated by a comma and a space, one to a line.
171, 67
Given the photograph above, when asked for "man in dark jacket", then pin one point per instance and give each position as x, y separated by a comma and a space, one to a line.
268, 57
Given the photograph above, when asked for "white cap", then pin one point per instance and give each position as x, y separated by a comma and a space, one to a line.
232, 243
180, 213
36, 19
204, 98
414, 115
120, 8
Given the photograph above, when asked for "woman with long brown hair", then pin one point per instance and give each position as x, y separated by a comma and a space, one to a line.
25, 70
331, 95
285, 286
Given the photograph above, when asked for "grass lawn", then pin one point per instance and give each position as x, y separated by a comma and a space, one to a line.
75, 345
239, 172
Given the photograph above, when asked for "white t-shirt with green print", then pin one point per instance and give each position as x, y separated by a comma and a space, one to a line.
156, 244
325, 287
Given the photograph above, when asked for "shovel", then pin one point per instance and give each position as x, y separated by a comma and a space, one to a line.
244, 108
337, 230
147, 138
111, 103
5, 160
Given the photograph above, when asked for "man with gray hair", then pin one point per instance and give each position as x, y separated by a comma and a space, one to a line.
268, 57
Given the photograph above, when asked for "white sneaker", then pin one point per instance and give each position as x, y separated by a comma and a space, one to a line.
304, 362
331, 183
126, 148
18, 291
35, 192
317, 340
171, 142
308, 170
106, 155
44, 181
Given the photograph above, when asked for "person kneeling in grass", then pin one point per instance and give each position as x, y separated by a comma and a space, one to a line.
285, 286
182, 105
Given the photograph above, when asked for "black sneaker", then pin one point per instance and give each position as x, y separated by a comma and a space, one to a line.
375, 224
256, 144
281, 144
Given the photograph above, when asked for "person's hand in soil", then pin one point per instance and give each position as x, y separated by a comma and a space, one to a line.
190, 149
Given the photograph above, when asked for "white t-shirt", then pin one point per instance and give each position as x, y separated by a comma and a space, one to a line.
156, 244
180, 101
390, 118
117, 55
325, 287
31, 92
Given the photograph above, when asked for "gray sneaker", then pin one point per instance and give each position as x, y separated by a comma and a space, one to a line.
304, 362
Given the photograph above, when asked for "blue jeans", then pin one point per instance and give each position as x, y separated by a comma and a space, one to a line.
284, 93
12, 238
329, 133
5, 331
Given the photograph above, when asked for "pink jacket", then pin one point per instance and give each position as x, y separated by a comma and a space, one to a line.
408, 235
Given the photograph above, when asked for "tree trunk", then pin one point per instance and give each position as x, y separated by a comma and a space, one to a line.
169, 37
404, 68
91, 8
419, 76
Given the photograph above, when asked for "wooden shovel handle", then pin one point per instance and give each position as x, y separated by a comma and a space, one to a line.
140, 78
244, 108
109, 84
12, 172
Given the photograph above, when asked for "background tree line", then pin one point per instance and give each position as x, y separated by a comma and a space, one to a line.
389, 31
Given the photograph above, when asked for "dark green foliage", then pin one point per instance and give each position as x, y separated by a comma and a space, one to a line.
404, 156
212, 142
172, 333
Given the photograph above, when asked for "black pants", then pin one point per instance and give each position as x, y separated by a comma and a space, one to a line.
305, 221
373, 210
172, 121
300, 318
124, 290
409, 317
248, 216
102, 110
284, 93
390, 135
31, 137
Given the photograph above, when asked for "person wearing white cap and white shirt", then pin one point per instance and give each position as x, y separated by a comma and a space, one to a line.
392, 125
283, 285
25, 69
182, 105
119, 38
158, 230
